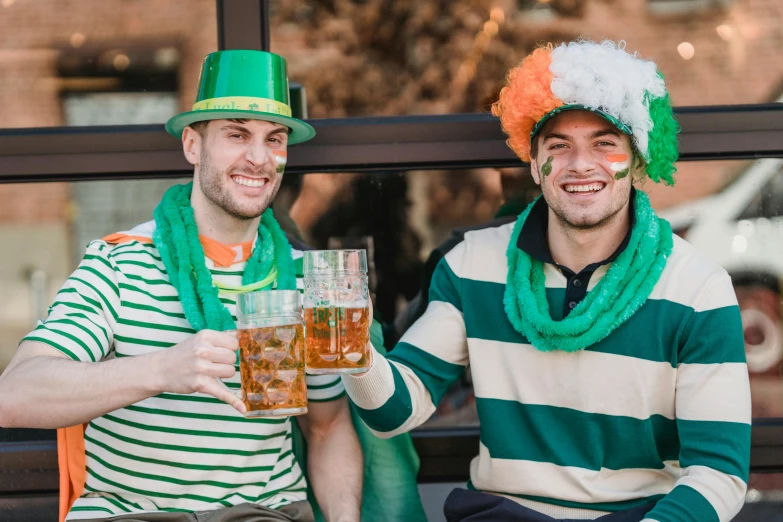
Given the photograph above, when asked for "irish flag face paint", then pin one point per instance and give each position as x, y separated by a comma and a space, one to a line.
618, 162
281, 157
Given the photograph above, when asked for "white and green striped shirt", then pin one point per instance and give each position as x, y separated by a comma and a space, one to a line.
170, 452
657, 411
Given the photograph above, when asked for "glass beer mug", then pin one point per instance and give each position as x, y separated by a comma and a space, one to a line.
336, 311
272, 352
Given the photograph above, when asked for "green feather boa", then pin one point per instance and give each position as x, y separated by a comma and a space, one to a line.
617, 296
176, 238
662, 140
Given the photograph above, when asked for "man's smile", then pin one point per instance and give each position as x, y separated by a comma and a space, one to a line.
584, 188
248, 181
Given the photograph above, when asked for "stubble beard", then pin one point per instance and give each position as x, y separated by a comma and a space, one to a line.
569, 222
214, 189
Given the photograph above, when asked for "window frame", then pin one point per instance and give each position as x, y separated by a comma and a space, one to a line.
365, 144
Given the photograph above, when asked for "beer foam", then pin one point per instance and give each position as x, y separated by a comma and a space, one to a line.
316, 303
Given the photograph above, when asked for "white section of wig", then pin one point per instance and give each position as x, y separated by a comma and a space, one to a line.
604, 75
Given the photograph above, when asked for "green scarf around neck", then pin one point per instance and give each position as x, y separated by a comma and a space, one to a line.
617, 296
176, 238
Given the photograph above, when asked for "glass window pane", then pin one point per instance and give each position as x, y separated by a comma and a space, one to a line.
375, 57
101, 62
740, 227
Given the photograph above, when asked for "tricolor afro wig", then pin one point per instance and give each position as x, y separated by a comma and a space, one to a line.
599, 77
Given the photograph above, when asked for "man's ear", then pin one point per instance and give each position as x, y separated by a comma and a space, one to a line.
638, 167
191, 145
534, 171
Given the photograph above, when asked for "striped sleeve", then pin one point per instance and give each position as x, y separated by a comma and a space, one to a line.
82, 319
713, 413
324, 388
402, 390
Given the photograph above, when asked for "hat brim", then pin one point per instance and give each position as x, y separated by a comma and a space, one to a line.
300, 131
575, 106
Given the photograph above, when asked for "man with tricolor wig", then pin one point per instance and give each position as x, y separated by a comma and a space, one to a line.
606, 354
134, 366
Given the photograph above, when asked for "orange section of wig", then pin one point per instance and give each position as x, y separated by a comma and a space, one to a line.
525, 99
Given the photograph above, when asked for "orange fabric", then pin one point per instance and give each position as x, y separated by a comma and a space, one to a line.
72, 463
222, 255
119, 237
225, 255
526, 98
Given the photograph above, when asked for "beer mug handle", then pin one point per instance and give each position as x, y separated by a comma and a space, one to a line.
238, 392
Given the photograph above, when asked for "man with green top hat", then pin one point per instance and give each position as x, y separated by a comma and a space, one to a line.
134, 360
606, 354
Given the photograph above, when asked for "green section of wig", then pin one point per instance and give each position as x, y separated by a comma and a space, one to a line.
662, 145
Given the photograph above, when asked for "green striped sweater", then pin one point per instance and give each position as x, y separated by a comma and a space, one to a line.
658, 411
170, 452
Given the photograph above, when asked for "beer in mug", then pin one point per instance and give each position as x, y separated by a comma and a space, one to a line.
272, 353
336, 311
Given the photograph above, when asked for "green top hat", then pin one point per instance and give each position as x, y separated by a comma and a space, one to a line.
243, 84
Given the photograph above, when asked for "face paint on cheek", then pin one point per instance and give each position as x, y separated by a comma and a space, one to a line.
546, 168
281, 157
618, 163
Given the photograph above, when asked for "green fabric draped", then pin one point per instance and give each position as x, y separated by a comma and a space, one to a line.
617, 296
176, 238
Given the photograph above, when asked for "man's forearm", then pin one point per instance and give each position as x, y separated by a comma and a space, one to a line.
45, 391
390, 404
336, 469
